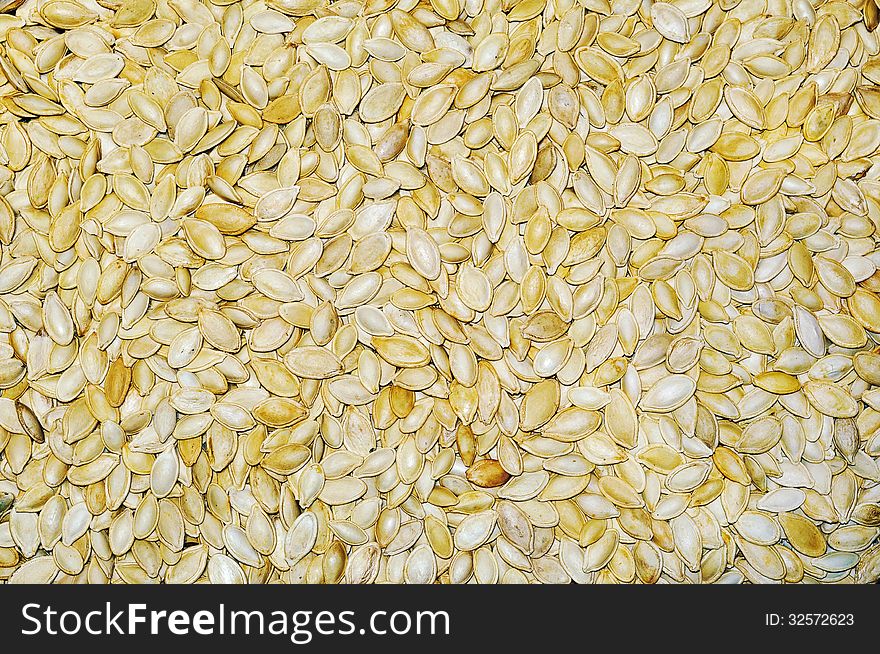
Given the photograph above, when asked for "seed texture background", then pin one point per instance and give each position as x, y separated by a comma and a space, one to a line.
444, 291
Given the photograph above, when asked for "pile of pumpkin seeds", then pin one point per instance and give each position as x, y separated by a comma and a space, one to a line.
439, 291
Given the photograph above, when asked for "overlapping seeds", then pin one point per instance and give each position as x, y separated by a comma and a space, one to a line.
487, 291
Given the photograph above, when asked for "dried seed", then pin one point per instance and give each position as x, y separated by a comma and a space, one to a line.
503, 292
